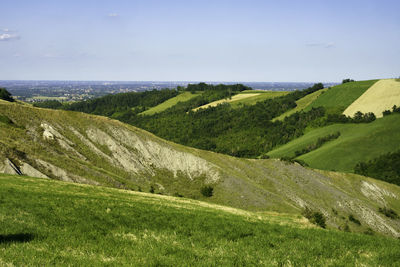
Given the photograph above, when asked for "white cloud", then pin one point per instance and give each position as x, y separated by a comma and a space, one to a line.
324, 45
8, 37
113, 15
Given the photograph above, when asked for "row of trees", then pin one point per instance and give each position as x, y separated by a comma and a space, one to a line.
385, 167
5, 95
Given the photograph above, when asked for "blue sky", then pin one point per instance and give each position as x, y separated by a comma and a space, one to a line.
205, 40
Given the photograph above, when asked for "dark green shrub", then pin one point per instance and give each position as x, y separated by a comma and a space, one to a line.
151, 189
315, 217
176, 194
207, 191
389, 213
369, 231
354, 220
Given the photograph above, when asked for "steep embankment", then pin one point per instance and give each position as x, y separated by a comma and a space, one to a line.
47, 222
91, 149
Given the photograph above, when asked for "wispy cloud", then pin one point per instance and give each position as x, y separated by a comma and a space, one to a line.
324, 45
113, 15
8, 35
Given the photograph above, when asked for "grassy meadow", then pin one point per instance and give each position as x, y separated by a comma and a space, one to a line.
185, 96
339, 97
302, 103
46, 222
357, 142
249, 97
263, 95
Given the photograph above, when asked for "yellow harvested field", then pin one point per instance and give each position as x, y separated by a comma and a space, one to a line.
227, 100
383, 95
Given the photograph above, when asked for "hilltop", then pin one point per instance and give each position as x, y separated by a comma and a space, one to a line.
82, 148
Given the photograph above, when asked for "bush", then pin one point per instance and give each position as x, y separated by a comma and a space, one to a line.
151, 189
389, 213
315, 217
207, 191
354, 220
347, 81
176, 194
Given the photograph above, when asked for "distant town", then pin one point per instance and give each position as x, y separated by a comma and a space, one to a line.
66, 91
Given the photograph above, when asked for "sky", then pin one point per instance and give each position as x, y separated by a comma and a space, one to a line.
217, 40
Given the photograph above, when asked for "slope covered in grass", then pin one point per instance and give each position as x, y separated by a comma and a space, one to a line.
250, 97
82, 148
357, 142
339, 97
383, 95
182, 97
262, 95
46, 222
301, 104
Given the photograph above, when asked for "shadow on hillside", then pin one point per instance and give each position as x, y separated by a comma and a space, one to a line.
16, 238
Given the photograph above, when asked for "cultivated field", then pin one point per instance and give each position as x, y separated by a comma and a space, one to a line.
339, 97
383, 95
169, 103
51, 223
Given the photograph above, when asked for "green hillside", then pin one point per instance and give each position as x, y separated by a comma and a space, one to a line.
263, 95
339, 97
46, 222
82, 148
182, 97
301, 104
357, 142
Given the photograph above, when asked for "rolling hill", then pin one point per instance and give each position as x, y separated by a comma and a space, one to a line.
82, 148
357, 142
47, 222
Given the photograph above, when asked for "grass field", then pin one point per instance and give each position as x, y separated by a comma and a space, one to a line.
263, 95
185, 96
249, 97
357, 142
383, 95
339, 97
302, 103
47, 222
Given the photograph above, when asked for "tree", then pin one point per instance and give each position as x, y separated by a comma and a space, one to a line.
5, 95
347, 81
207, 191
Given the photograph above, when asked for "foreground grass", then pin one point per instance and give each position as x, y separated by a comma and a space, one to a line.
185, 96
341, 96
45, 222
357, 142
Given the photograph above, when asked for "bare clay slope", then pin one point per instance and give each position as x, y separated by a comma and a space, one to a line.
90, 149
